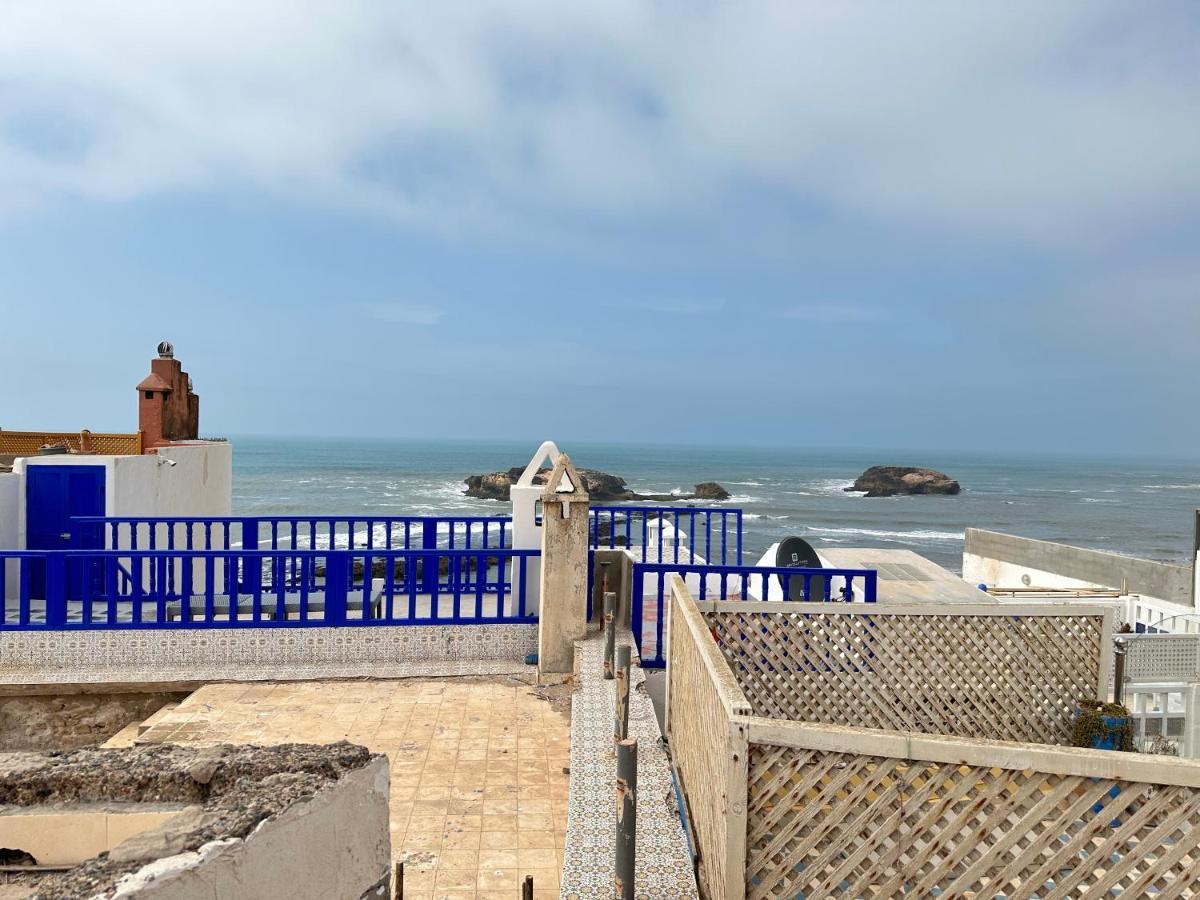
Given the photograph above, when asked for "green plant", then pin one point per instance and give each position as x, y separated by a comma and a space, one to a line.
1090, 724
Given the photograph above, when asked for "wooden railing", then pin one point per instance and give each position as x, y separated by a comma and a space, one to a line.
28, 443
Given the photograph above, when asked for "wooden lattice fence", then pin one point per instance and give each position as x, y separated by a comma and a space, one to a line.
1008, 673
785, 808
28, 443
851, 813
703, 702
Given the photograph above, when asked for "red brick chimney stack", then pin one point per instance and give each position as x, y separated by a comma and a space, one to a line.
168, 410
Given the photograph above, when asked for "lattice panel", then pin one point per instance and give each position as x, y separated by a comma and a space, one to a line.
27, 443
1163, 658
1014, 678
824, 824
698, 731
117, 444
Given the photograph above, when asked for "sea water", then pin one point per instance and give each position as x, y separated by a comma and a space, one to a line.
1139, 507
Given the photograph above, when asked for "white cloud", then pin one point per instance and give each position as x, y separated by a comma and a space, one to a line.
403, 313
1068, 124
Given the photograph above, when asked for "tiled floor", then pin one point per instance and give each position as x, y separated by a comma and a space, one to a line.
479, 787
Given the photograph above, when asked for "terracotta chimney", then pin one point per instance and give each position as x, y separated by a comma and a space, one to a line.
168, 410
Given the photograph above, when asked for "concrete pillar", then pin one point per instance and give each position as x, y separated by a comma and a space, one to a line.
563, 617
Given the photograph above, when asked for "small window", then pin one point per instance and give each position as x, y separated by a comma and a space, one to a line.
149, 395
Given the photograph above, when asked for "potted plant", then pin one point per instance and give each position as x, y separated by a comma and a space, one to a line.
1102, 726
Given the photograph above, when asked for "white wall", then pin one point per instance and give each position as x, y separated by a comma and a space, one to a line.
998, 573
1134, 607
199, 484
10, 511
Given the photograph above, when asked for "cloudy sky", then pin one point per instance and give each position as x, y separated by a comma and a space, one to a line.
958, 225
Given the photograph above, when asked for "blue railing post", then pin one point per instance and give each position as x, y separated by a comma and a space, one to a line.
337, 580
252, 567
429, 573
56, 590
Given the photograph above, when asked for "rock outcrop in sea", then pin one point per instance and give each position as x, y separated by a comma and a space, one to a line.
601, 487
888, 481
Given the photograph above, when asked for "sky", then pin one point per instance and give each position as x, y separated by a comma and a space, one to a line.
939, 225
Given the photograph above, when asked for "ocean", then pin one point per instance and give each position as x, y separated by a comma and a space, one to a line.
1138, 507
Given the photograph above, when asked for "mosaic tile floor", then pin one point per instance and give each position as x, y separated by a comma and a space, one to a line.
663, 867
478, 782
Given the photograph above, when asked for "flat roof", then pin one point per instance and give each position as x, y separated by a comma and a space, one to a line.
905, 576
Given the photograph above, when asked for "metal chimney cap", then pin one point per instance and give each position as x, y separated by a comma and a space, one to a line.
165, 350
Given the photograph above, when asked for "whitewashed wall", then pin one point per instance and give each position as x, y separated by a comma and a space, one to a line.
10, 507
200, 483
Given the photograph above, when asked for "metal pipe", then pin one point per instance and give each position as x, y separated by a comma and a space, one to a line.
1118, 671
527, 888
626, 850
399, 885
621, 722
610, 631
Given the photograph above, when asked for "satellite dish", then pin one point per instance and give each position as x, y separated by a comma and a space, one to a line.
797, 553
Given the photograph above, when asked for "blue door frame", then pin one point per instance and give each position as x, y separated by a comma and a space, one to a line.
53, 495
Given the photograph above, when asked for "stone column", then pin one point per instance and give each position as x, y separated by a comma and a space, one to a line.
563, 616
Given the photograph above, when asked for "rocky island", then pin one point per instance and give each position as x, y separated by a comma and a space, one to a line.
601, 487
889, 481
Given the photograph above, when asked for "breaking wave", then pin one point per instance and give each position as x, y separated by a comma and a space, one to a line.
919, 535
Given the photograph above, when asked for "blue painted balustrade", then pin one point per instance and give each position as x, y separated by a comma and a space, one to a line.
675, 533
225, 588
294, 532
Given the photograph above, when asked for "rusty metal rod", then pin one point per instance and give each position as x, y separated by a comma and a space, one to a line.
399, 885
626, 850
527, 888
621, 719
610, 631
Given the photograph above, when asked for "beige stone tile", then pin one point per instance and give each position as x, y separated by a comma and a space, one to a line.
499, 879
498, 859
419, 842
426, 824
498, 840
535, 840
498, 823
537, 858
464, 823
432, 808
535, 822
458, 859
456, 879
461, 840
543, 878
463, 758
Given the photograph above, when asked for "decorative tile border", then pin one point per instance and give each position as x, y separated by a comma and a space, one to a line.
664, 866
254, 654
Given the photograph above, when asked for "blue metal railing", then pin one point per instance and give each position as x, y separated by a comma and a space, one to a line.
294, 532
679, 534
126, 588
737, 583
675, 533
